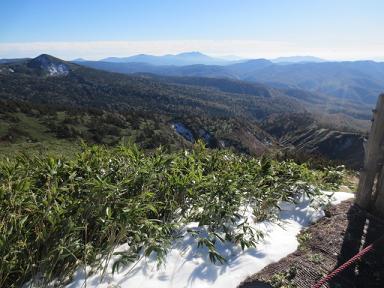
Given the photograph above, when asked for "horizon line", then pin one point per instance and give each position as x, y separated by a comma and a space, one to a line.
245, 49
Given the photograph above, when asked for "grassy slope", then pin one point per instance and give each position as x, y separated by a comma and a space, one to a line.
31, 137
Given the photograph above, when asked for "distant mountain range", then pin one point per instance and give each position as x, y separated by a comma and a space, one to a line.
182, 59
297, 59
357, 81
193, 58
54, 81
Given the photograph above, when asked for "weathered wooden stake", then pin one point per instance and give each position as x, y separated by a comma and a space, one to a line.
379, 203
374, 157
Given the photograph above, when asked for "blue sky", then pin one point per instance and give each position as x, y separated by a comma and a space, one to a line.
334, 29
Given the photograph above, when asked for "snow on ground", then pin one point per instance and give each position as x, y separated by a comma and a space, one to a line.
187, 266
183, 131
57, 69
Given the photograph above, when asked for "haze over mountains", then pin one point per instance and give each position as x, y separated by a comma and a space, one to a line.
358, 81
297, 59
182, 59
192, 58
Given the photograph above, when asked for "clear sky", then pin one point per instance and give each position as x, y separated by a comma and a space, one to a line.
332, 29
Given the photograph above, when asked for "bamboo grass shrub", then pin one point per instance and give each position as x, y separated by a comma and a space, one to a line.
58, 214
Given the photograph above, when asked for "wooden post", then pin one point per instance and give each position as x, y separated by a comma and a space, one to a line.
379, 203
373, 157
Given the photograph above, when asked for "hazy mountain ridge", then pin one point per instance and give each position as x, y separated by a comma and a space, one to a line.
182, 59
356, 81
297, 59
190, 58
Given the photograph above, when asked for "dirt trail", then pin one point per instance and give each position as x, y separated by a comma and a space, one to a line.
323, 247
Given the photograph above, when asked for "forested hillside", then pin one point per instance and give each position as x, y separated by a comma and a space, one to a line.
86, 87
50, 101
27, 127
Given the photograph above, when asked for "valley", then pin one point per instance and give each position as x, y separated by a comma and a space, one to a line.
69, 103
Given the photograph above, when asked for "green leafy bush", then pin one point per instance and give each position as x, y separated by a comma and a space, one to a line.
57, 214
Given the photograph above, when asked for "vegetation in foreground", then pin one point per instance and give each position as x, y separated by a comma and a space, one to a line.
58, 214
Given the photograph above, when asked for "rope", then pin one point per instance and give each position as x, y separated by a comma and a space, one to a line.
349, 262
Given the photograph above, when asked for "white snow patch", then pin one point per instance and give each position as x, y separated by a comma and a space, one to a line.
57, 69
187, 266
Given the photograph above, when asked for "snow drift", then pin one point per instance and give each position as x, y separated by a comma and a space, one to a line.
189, 266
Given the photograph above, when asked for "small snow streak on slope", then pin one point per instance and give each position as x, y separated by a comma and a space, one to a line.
183, 131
